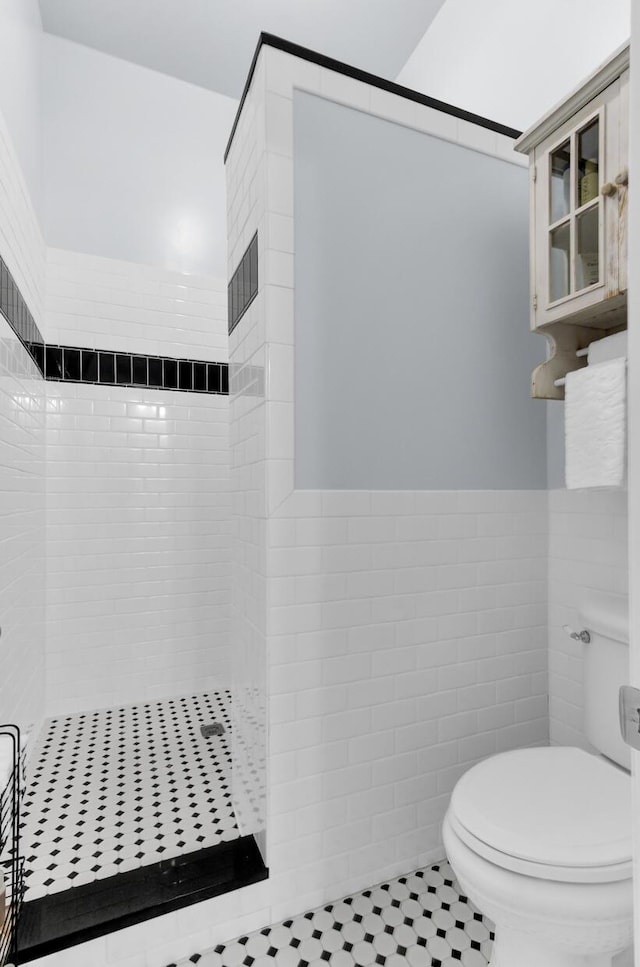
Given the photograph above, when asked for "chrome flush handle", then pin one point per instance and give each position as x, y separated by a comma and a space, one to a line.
582, 636
629, 711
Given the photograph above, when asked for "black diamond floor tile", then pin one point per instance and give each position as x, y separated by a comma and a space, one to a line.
113, 782
355, 933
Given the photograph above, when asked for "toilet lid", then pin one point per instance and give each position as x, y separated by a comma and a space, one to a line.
558, 806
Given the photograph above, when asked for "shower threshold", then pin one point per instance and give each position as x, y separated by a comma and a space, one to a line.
64, 919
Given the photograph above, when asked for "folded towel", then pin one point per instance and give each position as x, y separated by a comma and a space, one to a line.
608, 348
595, 425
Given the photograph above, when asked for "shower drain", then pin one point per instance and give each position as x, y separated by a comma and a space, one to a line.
212, 728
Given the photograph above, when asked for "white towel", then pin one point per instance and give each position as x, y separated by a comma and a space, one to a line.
595, 425
608, 348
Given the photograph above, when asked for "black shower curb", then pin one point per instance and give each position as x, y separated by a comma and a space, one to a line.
84, 913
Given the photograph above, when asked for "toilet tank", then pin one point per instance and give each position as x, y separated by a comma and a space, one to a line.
606, 668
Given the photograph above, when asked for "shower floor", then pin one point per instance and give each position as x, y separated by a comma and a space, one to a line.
117, 789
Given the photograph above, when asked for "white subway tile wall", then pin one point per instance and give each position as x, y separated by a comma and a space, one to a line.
138, 558
22, 464
22, 486
247, 445
107, 304
21, 243
138, 512
407, 641
587, 552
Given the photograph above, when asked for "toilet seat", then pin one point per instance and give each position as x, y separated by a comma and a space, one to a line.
554, 813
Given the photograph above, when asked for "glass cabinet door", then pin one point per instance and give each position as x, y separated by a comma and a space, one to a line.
575, 211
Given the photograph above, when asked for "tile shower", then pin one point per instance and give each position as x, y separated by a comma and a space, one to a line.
136, 493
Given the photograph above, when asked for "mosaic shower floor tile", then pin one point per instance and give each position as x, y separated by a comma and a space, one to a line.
111, 790
421, 920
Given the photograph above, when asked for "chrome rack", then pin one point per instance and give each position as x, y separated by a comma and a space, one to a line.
11, 860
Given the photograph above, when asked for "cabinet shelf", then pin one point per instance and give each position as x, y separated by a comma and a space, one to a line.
565, 339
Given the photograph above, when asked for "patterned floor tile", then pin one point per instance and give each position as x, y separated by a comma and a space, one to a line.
422, 920
120, 788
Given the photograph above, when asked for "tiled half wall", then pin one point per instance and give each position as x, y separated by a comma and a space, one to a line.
408, 640
400, 635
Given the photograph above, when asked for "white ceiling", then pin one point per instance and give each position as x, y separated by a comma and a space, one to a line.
211, 42
514, 74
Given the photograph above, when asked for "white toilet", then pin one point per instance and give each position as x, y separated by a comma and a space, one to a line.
540, 838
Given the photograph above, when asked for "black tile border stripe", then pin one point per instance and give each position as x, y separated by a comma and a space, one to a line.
83, 913
16, 311
76, 364
243, 287
304, 53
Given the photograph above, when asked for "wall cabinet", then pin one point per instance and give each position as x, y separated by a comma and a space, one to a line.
579, 181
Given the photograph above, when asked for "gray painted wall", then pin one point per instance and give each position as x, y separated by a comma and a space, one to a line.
413, 352
555, 444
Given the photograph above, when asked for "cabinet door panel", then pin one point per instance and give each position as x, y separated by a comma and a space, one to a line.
576, 236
